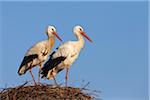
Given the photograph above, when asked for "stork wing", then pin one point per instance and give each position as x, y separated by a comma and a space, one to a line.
38, 48
33, 53
56, 58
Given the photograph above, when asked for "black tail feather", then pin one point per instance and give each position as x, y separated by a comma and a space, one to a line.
25, 61
50, 64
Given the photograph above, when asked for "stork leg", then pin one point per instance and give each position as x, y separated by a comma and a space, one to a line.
67, 76
39, 74
54, 79
32, 76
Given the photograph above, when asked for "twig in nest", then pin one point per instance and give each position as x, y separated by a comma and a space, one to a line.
5, 89
22, 85
83, 88
93, 92
14, 96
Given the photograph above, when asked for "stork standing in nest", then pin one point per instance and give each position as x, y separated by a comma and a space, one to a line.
38, 53
65, 55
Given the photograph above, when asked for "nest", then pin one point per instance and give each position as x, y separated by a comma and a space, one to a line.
44, 92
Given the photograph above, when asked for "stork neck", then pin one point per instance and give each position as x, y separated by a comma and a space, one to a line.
80, 40
51, 40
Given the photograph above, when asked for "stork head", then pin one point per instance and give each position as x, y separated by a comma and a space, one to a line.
79, 30
51, 31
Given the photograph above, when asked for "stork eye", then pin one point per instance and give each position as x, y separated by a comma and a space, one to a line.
52, 29
80, 29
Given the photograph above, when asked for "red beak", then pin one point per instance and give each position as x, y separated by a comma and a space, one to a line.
57, 36
86, 36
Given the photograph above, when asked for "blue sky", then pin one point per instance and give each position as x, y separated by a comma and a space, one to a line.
116, 63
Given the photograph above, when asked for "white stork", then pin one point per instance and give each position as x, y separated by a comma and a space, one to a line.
38, 53
64, 56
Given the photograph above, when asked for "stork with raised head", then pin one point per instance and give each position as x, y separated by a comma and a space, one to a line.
64, 56
38, 53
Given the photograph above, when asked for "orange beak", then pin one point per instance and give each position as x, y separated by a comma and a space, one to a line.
86, 36
57, 36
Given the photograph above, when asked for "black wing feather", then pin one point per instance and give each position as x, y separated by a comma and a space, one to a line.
51, 63
27, 59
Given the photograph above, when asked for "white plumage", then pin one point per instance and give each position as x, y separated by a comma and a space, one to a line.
68, 50
65, 55
39, 48
38, 53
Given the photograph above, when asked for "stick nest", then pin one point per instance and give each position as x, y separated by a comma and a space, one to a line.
43, 92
